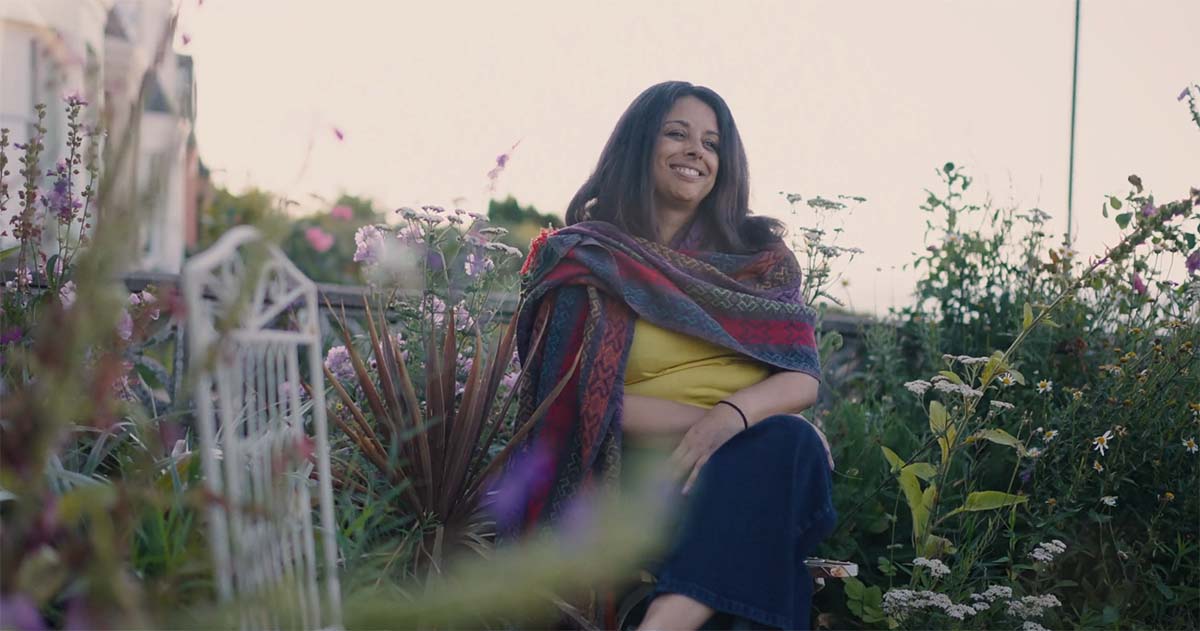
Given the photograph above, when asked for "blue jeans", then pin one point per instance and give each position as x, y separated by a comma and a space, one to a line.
760, 506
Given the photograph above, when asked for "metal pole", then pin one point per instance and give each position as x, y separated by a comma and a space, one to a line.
1074, 93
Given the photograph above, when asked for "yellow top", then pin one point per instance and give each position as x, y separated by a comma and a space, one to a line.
681, 368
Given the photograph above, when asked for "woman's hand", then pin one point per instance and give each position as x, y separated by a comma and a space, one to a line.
707, 435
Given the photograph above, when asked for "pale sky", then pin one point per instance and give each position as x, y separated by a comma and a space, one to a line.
856, 98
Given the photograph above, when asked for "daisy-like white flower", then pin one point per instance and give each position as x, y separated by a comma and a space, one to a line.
1077, 394
1097, 466
1190, 445
1195, 408
1034, 452
1100, 443
1049, 435
1045, 386
1109, 500
1007, 380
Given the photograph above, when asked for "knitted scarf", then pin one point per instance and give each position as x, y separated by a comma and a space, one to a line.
582, 288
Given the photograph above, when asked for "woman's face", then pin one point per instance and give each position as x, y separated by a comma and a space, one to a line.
685, 155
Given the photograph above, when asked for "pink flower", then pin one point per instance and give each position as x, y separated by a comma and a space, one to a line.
186, 39
66, 294
1138, 285
343, 212
338, 132
320, 240
1193, 262
125, 325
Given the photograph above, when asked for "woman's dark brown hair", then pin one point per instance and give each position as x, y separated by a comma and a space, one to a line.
621, 189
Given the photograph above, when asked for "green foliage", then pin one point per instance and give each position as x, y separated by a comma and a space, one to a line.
1016, 463
522, 222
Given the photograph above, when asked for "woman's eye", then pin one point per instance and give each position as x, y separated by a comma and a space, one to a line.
675, 134
711, 145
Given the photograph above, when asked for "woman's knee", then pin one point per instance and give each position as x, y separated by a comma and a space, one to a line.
790, 426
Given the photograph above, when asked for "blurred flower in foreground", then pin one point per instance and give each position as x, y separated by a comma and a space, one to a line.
342, 212
508, 495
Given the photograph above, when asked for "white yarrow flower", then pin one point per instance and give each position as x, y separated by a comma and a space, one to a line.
936, 567
1109, 500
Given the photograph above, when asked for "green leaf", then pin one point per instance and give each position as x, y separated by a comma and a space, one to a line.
1104, 210
854, 588
922, 470
951, 375
936, 547
995, 365
896, 461
9, 252
873, 597
1017, 376
1051, 323
1115, 203
990, 500
1027, 318
948, 167
938, 418
1123, 219
912, 494
855, 607
1001, 437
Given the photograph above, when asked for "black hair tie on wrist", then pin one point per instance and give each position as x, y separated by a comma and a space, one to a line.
742, 414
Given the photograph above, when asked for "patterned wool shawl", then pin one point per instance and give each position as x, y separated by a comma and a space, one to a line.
582, 288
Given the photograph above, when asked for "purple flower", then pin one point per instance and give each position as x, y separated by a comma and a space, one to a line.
17, 611
1138, 285
1148, 210
337, 361
1193, 262
59, 201
11, 335
526, 472
477, 264
339, 134
1183, 95
368, 242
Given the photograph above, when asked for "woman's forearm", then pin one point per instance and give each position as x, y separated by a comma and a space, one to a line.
650, 416
781, 393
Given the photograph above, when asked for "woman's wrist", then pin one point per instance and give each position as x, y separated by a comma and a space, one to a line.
740, 413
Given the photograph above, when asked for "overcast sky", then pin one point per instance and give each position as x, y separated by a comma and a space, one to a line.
856, 98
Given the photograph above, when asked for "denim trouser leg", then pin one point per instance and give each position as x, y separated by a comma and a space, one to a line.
759, 508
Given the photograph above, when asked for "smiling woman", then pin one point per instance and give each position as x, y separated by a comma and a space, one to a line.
686, 316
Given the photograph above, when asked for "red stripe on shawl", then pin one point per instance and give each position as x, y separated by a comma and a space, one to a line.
556, 424
769, 332
632, 270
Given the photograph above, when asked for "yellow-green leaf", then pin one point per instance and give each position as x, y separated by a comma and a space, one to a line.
913, 496
937, 417
953, 377
995, 366
991, 500
922, 470
896, 461
936, 546
1017, 376
1001, 437
1027, 319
